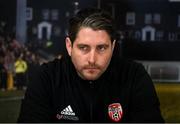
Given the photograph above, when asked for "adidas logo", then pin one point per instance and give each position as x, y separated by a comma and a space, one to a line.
67, 114
68, 111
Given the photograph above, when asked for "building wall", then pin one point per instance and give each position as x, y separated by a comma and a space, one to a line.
56, 13
152, 31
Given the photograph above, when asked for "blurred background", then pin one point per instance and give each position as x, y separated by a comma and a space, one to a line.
32, 32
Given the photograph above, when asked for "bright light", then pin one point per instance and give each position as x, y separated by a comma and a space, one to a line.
76, 3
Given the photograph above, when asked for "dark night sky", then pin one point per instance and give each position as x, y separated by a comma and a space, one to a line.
8, 7
8, 12
146, 50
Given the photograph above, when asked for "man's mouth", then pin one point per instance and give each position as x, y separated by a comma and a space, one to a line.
91, 69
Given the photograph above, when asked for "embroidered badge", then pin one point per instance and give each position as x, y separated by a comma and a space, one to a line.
115, 112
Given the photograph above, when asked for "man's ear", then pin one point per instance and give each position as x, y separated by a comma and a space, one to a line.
68, 45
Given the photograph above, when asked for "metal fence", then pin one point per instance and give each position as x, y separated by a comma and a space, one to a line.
163, 71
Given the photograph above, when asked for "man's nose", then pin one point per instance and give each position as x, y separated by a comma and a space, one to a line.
92, 57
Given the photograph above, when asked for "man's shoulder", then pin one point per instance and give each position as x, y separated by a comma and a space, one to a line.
53, 65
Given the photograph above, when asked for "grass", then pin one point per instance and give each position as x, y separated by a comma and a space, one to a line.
11, 93
9, 108
169, 96
9, 111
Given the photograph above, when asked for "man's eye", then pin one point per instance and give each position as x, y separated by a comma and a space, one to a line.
101, 48
83, 48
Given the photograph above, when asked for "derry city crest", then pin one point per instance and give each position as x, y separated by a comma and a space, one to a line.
115, 112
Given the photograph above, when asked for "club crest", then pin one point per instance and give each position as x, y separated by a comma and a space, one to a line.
115, 112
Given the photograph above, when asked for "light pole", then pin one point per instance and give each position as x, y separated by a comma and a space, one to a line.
76, 4
21, 21
99, 4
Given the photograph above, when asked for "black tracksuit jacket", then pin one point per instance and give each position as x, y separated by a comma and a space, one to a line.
58, 94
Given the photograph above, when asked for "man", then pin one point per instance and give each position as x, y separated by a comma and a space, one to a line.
3, 74
92, 84
20, 69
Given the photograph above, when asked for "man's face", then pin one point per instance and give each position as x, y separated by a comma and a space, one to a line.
91, 52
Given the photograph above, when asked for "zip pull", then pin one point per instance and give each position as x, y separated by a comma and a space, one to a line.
90, 82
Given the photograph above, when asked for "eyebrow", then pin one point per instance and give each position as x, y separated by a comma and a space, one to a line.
79, 45
103, 44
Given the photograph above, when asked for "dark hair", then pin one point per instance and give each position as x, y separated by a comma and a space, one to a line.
96, 19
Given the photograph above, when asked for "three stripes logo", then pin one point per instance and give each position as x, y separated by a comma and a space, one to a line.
68, 111
67, 114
